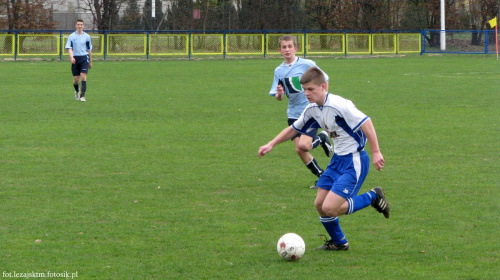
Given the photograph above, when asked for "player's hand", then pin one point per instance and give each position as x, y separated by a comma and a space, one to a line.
73, 60
378, 160
264, 150
280, 92
90, 64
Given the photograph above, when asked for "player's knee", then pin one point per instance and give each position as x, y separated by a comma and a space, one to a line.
319, 206
304, 146
331, 211
301, 149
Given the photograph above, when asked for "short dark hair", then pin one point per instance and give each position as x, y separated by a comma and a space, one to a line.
287, 38
80, 20
313, 75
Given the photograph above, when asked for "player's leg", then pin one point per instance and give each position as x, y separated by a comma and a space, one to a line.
330, 222
327, 146
75, 70
356, 167
305, 156
312, 140
83, 73
84, 86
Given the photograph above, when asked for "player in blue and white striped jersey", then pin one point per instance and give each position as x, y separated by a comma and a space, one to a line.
79, 46
339, 184
287, 82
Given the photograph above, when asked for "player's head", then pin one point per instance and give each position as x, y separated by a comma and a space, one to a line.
313, 75
79, 24
288, 38
314, 85
288, 48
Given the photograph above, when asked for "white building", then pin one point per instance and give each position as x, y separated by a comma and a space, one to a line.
66, 12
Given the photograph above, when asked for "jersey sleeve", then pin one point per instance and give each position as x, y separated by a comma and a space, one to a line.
274, 86
89, 43
305, 122
69, 43
352, 115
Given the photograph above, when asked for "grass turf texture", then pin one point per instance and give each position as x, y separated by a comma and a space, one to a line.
156, 176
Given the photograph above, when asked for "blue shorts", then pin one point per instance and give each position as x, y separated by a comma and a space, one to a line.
81, 65
312, 132
345, 174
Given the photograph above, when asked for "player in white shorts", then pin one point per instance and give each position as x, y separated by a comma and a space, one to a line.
340, 182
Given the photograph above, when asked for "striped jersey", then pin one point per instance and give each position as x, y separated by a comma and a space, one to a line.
288, 75
80, 43
340, 118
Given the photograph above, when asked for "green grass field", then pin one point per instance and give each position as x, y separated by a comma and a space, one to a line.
157, 176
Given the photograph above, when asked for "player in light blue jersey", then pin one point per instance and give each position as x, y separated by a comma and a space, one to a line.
287, 82
339, 184
79, 47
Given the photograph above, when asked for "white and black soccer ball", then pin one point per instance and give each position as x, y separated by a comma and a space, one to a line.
291, 247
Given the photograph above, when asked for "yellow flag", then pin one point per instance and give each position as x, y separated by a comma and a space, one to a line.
493, 22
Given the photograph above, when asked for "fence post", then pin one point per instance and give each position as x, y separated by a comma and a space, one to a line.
265, 43
486, 41
371, 42
422, 41
189, 44
224, 42
147, 44
15, 45
60, 45
397, 42
105, 50
305, 43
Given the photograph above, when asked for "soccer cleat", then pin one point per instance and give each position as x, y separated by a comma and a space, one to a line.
77, 95
325, 143
330, 246
82, 99
380, 203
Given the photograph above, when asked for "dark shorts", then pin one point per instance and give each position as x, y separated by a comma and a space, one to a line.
81, 65
311, 132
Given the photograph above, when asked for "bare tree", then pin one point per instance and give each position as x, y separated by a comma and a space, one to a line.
28, 14
104, 12
480, 11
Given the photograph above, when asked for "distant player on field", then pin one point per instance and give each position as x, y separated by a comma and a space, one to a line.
79, 47
287, 82
342, 179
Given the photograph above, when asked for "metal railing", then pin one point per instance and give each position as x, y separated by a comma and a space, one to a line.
223, 44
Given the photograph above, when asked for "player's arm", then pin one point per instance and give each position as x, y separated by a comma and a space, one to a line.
277, 89
371, 135
71, 57
284, 135
280, 91
90, 58
89, 50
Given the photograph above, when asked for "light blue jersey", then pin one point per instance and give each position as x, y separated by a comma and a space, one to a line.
288, 75
80, 43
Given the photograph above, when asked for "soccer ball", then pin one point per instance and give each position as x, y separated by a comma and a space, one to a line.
291, 247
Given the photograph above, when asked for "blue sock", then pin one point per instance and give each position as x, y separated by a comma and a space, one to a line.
316, 141
332, 226
359, 202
